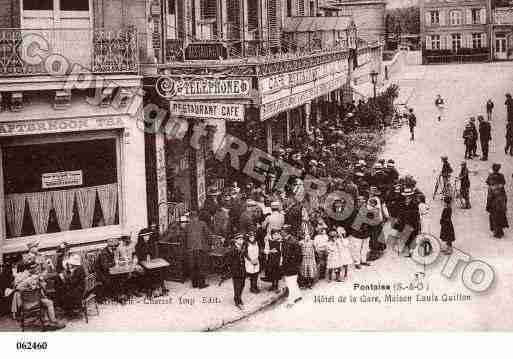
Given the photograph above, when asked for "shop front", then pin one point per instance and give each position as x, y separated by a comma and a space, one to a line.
291, 102
77, 179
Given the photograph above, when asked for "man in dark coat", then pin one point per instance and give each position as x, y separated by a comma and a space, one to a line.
465, 185
496, 202
73, 279
489, 109
412, 123
292, 258
409, 216
475, 135
237, 268
509, 107
509, 139
467, 140
196, 234
104, 262
485, 136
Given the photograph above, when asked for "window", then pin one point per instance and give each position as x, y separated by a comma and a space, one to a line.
455, 17
37, 4
312, 9
74, 5
456, 42
58, 187
171, 7
435, 42
476, 16
435, 17
289, 8
477, 41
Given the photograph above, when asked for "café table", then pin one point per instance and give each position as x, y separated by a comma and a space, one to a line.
121, 274
156, 265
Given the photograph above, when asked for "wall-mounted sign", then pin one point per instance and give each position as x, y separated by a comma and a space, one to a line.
283, 85
205, 51
271, 109
59, 125
62, 179
223, 111
207, 88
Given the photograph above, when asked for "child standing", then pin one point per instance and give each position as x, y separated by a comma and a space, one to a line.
237, 269
251, 261
273, 249
446, 226
308, 268
345, 251
321, 254
333, 249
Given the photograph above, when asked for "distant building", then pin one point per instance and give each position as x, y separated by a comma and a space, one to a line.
455, 31
369, 15
502, 30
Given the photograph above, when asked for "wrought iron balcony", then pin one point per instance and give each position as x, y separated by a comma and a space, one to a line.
23, 51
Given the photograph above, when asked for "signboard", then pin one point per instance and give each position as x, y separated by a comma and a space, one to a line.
270, 109
283, 85
30, 127
62, 179
205, 51
207, 88
223, 111
160, 168
200, 177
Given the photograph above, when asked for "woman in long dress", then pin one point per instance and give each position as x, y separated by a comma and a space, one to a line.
308, 269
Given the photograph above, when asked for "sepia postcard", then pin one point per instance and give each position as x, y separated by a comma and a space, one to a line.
255, 165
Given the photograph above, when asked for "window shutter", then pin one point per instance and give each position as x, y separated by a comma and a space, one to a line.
469, 16
428, 18
442, 17
482, 16
468, 40
483, 40
428, 42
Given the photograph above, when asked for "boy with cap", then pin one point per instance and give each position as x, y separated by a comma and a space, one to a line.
237, 268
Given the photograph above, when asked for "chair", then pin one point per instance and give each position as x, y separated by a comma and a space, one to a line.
31, 307
89, 295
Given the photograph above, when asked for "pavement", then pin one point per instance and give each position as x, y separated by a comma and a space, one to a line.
184, 309
439, 303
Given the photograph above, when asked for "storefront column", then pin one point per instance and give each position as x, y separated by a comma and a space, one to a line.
269, 135
224, 18
160, 154
308, 111
2, 210
287, 127
318, 113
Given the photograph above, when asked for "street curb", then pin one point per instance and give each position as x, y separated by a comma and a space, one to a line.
242, 315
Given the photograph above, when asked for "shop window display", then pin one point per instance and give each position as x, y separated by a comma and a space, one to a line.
58, 187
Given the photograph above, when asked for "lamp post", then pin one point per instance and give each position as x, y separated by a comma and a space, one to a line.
374, 78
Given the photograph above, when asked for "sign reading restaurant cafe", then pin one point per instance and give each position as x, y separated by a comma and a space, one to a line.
223, 111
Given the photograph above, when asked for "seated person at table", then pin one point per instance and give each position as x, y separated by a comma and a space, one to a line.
31, 279
125, 256
73, 284
105, 261
145, 250
44, 263
63, 254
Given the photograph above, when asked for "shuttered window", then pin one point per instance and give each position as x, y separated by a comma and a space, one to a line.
274, 23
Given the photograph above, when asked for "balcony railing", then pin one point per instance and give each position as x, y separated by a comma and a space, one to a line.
23, 51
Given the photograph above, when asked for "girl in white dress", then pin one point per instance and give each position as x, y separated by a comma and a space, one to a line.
345, 251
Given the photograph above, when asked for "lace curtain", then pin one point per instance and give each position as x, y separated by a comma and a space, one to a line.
108, 196
63, 202
15, 209
40, 204
85, 203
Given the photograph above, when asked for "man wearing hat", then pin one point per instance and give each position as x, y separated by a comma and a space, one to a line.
409, 217
73, 280
485, 136
276, 219
32, 279
468, 139
509, 107
292, 258
391, 172
196, 234
465, 185
44, 263
475, 136
496, 203
105, 261
412, 123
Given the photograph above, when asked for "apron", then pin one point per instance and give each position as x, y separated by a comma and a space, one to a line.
253, 253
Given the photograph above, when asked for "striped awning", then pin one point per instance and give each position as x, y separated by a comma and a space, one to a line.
312, 24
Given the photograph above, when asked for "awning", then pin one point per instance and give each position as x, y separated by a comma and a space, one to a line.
311, 24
